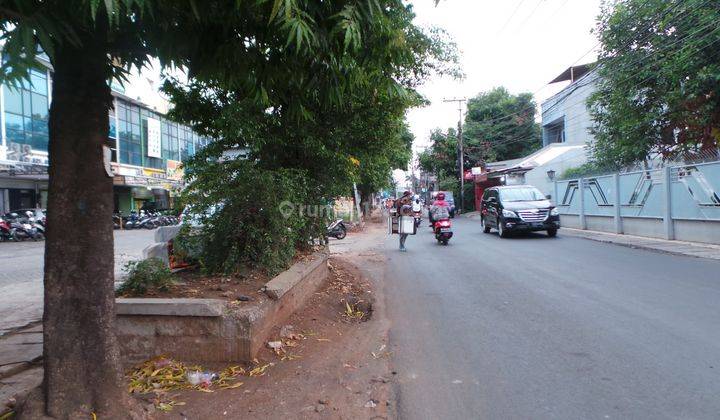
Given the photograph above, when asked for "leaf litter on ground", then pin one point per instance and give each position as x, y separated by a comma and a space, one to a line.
162, 375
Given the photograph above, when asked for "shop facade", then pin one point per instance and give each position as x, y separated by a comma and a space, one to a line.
146, 148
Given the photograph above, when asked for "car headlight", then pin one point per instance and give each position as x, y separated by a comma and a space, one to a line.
508, 213
554, 212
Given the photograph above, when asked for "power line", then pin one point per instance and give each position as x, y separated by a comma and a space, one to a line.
512, 15
532, 13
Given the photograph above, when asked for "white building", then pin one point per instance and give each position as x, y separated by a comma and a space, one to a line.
566, 125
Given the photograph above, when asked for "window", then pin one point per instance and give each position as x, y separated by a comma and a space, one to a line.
554, 132
26, 111
130, 139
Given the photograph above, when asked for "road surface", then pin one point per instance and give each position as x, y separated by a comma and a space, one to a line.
21, 275
542, 328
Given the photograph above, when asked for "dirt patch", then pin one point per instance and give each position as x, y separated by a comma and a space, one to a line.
193, 283
332, 362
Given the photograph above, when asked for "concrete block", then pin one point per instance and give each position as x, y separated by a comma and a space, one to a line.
166, 233
157, 250
209, 330
170, 307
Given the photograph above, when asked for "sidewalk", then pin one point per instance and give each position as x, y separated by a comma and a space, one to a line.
20, 362
690, 249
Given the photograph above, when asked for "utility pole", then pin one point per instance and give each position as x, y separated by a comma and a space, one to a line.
461, 153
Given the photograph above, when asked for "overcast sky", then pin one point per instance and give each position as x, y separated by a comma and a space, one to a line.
519, 44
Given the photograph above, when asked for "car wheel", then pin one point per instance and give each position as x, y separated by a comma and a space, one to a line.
486, 228
501, 229
552, 233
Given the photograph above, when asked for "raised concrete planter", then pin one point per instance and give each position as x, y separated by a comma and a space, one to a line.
211, 330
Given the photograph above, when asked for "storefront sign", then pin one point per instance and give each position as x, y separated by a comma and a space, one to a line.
25, 153
174, 170
154, 143
124, 170
154, 173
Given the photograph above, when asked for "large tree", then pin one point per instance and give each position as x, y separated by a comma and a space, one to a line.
500, 126
251, 45
659, 86
359, 140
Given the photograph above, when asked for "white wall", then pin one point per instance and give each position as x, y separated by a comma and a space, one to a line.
570, 104
538, 176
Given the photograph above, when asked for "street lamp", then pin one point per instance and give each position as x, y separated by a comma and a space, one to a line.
551, 175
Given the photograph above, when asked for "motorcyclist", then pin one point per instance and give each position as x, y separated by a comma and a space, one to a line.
417, 210
404, 208
440, 209
417, 206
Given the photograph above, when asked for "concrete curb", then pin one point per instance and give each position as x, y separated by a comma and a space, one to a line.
283, 282
170, 307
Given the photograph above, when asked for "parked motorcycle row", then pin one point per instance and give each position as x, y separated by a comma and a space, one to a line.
21, 226
144, 220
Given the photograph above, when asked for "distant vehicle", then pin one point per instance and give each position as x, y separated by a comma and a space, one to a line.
518, 208
337, 229
40, 215
448, 197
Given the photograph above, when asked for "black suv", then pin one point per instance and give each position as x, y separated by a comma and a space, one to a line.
518, 208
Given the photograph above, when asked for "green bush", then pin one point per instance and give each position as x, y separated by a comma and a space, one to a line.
246, 217
145, 274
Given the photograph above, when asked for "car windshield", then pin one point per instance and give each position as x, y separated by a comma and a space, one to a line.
521, 194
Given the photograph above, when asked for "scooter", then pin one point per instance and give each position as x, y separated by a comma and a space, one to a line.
23, 229
418, 219
6, 232
337, 229
443, 230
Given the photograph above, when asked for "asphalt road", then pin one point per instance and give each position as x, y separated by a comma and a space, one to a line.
551, 328
21, 275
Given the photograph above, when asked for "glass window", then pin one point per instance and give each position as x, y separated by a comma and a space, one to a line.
13, 122
39, 82
27, 103
112, 131
39, 106
13, 100
26, 111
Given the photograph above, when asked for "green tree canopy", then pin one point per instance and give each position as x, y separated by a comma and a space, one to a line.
500, 126
659, 88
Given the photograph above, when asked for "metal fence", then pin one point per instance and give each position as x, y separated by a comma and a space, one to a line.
652, 202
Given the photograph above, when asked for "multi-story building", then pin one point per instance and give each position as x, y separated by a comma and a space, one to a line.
566, 132
147, 148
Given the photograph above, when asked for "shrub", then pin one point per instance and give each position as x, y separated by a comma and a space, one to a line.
145, 274
243, 215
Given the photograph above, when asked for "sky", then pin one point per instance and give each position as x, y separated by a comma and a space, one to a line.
519, 44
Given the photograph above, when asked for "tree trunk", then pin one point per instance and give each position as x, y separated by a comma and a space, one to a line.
81, 355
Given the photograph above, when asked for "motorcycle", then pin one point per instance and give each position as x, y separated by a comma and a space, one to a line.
23, 229
6, 232
34, 223
443, 230
337, 229
418, 219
